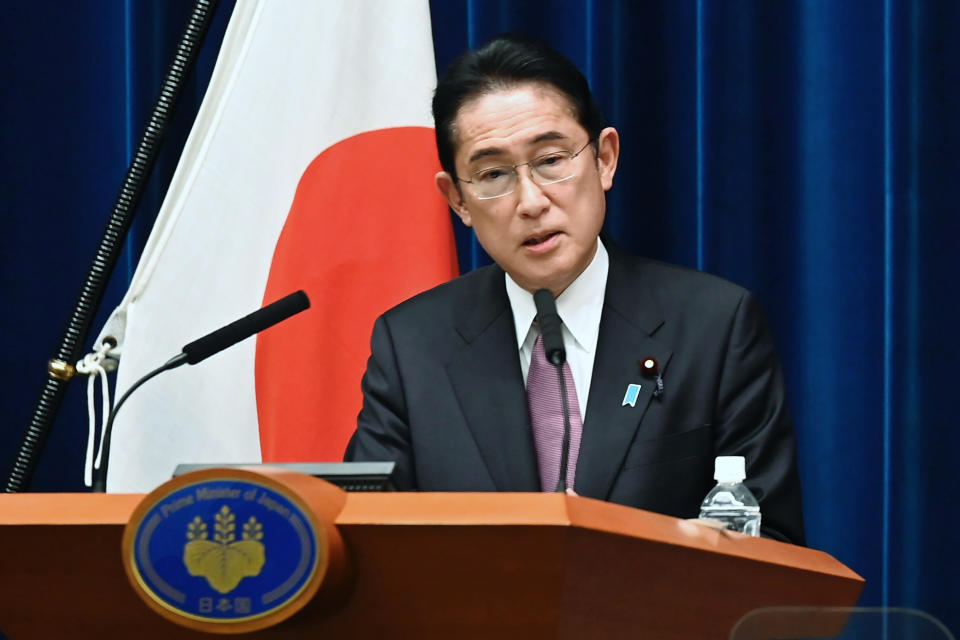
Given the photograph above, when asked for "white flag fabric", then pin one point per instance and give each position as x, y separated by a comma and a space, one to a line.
310, 166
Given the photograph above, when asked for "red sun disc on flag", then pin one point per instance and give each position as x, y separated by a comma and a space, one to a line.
366, 230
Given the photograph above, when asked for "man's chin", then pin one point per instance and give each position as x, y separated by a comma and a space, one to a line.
556, 281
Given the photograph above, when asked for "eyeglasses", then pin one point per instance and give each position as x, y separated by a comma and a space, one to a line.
499, 181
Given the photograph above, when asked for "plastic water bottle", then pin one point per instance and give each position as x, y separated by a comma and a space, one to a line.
730, 502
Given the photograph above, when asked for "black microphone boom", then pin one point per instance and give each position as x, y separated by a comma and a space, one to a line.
550, 326
246, 326
202, 349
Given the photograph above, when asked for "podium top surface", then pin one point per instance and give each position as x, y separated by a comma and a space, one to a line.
459, 509
67, 508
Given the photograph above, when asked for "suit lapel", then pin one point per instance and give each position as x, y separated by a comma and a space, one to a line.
630, 316
488, 383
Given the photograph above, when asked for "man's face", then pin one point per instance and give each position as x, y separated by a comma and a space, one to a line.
544, 236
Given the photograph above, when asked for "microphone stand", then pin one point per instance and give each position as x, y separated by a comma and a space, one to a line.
565, 451
550, 330
100, 481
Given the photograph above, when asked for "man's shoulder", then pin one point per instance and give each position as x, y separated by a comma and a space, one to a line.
667, 276
452, 296
672, 292
675, 280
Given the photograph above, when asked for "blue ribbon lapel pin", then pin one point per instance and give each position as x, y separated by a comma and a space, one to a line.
630, 397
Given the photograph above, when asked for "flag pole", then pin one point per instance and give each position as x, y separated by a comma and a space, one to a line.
60, 369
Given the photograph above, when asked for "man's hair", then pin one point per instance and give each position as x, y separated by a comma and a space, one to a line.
504, 62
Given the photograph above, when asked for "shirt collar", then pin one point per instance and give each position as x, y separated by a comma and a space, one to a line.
579, 306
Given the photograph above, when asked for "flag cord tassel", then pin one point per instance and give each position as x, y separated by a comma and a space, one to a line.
94, 365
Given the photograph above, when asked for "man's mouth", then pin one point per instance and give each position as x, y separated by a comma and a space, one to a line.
535, 240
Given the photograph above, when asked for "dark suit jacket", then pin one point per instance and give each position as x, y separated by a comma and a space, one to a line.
443, 395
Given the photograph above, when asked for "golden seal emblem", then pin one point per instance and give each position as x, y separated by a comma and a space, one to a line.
224, 561
231, 550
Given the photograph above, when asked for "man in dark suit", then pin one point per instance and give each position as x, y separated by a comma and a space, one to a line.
668, 367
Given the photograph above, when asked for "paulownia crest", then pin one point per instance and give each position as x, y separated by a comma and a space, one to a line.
224, 561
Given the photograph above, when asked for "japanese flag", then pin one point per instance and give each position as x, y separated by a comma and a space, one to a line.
310, 166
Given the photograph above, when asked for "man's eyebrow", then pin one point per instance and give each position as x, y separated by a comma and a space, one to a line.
549, 135
496, 151
483, 153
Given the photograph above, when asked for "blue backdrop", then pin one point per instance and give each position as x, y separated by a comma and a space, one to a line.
809, 150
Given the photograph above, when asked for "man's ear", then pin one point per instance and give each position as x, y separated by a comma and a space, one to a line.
448, 189
608, 153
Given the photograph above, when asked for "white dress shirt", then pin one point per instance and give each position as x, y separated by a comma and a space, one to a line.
579, 307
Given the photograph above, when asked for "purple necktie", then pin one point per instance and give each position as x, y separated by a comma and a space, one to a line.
546, 417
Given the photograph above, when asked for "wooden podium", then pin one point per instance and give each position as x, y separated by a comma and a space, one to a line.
434, 565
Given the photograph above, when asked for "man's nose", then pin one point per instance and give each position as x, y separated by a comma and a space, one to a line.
531, 200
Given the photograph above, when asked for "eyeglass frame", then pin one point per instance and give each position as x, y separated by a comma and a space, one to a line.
533, 173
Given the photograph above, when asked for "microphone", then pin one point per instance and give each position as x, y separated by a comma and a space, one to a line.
550, 326
553, 348
245, 327
201, 349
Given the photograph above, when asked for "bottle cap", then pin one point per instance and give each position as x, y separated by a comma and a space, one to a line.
729, 469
